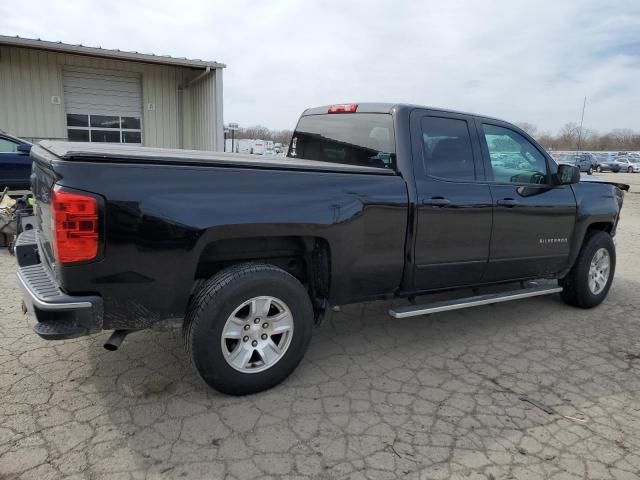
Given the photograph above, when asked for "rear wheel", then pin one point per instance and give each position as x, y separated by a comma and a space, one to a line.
248, 328
588, 282
590, 171
630, 170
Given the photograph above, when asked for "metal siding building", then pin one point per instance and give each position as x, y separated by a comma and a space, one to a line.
52, 90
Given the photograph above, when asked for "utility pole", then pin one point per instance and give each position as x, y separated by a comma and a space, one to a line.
584, 105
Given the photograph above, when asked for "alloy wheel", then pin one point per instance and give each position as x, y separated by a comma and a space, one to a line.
257, 334
599, 271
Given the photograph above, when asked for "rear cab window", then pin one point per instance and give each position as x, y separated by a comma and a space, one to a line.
362, 139
447, 149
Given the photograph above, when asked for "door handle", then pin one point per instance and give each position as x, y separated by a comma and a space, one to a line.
436, 201
508, 202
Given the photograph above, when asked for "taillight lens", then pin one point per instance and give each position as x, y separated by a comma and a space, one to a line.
343, 108
75, 226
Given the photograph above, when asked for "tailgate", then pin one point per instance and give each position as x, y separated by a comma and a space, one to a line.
42, 181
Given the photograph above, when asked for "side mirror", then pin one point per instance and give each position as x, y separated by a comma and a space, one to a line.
24, 148
567, 174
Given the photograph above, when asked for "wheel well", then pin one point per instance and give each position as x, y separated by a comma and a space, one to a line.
599, 227
306, 258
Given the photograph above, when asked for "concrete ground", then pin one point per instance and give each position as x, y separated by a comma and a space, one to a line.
523, 390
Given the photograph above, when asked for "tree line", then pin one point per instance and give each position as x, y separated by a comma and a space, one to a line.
572, 137
258, 132
569, 137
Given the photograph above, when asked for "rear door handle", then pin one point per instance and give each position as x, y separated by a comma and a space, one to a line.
508, 202
436, 201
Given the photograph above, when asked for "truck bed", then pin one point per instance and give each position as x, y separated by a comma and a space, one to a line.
116, 153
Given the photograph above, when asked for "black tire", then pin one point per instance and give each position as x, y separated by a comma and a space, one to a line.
599, 169
630, 170
218, 298
576, 284
590, 171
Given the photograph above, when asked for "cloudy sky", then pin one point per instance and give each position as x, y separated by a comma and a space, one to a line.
517, 60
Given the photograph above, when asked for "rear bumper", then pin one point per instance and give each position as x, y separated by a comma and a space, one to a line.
57, 315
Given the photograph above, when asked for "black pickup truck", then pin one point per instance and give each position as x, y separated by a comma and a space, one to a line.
373, 201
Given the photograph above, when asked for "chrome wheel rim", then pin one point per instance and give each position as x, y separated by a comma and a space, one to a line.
257, 334
599, 271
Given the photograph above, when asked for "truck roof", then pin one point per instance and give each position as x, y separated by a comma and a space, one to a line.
382, 107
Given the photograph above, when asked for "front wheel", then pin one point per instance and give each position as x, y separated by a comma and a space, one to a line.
588, 282
590, 171
248, 328
599, 169
630, 170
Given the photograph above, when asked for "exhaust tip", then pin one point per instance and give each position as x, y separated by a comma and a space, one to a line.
115, 340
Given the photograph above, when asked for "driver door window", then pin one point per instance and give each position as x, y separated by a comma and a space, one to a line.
513, 158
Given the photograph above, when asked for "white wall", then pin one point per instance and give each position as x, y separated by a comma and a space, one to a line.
203, 128
29, 78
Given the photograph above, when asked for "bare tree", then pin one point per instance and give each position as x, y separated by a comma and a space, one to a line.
258, 132
530, 128
255, 132
282, 136
621, 139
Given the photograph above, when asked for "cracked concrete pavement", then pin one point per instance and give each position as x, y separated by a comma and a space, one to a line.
525, 390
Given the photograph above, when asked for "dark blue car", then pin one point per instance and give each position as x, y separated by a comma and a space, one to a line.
15, 163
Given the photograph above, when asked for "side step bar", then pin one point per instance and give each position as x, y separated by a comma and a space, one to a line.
416, 310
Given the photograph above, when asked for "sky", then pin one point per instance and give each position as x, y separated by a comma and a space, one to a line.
521, 61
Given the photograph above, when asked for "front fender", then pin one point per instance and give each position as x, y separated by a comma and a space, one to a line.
598, 208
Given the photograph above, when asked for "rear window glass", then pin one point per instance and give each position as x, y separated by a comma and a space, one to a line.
364, 139
447, 148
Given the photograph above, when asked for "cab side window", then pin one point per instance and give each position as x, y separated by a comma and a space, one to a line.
513, 158
447, 149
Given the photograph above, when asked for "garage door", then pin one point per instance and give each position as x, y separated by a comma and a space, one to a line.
102, 105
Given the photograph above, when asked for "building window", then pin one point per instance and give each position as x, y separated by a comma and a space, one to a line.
103, 128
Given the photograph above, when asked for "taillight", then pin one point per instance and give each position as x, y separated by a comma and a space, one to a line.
343, 108
75, 226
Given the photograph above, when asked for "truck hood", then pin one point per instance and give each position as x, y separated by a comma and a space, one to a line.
621, 186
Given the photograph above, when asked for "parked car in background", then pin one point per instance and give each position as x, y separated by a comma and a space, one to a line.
586, 162
559, 157
15, 162
628, 164
607, 162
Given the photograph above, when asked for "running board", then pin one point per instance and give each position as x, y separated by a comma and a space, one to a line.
416, 310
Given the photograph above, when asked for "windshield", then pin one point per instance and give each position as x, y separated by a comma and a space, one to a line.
364, 139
